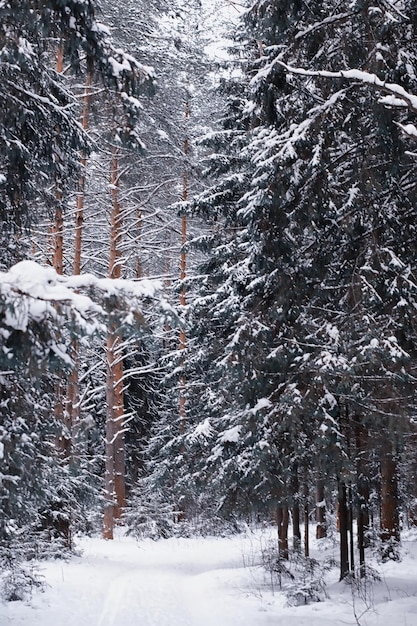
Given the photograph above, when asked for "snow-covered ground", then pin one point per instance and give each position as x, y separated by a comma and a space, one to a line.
203, 582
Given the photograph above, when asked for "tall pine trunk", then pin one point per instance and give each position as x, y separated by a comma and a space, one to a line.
115, 489
295, 487
58, 225
350, 527
183, 259
57, 239
73, 391
61, 523
79, 213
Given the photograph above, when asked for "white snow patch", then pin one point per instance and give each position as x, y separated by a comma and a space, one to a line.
206, 582
333, 332
231, 435
408, 129
263, 403
392, 101
201, 430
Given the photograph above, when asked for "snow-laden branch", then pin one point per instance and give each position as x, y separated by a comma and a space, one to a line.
332, 19
408, 129
44, 283
31, 291
398, 96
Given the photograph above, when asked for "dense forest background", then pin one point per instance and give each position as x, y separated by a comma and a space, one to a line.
208, 289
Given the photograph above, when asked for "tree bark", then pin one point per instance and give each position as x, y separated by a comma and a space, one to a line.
115, 489
183, 260
350, 525
343, 521
109, 493
362, 482
115, 414
321, 528
282, 524
57, 228
73, 391
79, 213
390, 524
58, 224
306, 520
295, 487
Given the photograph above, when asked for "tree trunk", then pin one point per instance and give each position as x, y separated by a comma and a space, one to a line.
362, 481
390, 524
295, 487
109, 493
306, 520
60, 523
56, 230
116, 412
343, 522
79, 213
58, 236
138, 263
58, 224
350, 524
115, 490
183, 260
321, 528
282, 524
73, 391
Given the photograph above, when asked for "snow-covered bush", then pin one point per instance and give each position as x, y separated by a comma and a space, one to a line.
302, 579
19, 574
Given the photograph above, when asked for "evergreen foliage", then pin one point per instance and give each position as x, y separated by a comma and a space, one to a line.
302, 330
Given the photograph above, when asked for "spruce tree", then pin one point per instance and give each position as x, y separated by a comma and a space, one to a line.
299, 334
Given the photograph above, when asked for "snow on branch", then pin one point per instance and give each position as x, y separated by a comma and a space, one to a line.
400, 97
332, 19
408, 129
30, 291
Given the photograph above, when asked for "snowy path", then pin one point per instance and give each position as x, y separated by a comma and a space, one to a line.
169, 583
201, 582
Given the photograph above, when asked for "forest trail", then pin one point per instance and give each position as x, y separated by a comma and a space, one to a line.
211, 581
166, 585
176, 582
161, 598
147, 598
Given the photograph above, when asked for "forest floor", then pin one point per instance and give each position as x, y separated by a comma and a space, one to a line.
209, 582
